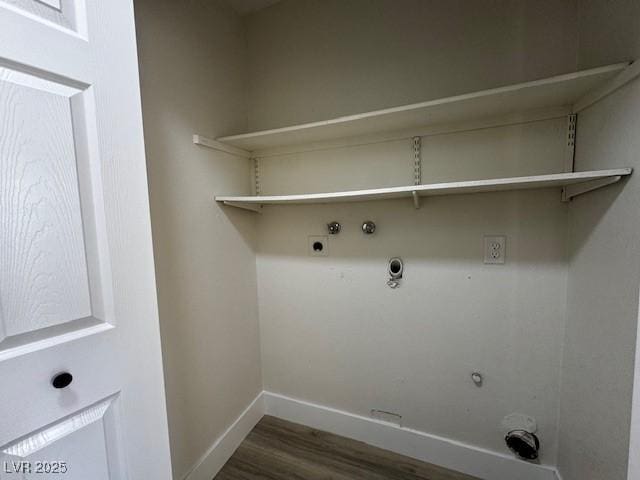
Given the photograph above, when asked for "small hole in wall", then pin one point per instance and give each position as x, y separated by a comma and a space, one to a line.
395, 266
318, 246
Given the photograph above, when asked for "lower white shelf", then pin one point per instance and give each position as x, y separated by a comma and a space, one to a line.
575, 183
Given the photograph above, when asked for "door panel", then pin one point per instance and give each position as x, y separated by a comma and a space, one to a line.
62, 13
78, 447
77, 289
53, 245
29, 401
45, 280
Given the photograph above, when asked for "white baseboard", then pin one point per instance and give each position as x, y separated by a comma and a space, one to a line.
447, 453
217, 455
478, 462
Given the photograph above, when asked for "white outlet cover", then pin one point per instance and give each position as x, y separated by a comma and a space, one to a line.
495, 249
318, 245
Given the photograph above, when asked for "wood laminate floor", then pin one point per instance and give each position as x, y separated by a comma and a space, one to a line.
280, 450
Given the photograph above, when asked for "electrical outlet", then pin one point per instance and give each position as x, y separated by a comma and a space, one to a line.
318, 246
495, 249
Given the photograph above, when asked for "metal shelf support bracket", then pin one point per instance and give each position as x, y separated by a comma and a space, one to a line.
571, 191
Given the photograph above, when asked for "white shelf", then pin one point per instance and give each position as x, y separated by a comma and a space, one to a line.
576, 183
574, 90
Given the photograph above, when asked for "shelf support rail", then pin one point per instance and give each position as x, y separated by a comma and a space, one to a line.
417, 169
570, 154
256, 176
572, 124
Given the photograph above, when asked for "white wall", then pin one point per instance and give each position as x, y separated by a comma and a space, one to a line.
604, 267
332, 331
192, 57
311, 59
602, 315
634, 436
607, 31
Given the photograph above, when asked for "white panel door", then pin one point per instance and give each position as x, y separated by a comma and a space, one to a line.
82, 395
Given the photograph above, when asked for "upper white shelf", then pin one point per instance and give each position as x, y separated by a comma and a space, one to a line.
573, 90
575, 183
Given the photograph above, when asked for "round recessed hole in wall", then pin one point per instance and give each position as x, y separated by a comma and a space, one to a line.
318, 246
525, 445
395, 267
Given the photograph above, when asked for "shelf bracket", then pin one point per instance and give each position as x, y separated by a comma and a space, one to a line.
416, 199
571, 191
417, 169
219, 146
246, 206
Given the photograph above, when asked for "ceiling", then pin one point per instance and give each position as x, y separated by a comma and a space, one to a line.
245, 7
